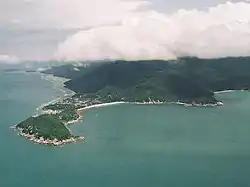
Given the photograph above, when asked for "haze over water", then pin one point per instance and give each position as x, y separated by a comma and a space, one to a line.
126, 145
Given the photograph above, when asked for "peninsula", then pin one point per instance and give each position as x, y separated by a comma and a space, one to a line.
187, 81
50, 127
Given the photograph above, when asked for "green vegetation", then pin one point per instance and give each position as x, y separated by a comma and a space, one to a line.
59, 107
66, 112
45, 126
187, 79
68, 115
142, 81
51, 126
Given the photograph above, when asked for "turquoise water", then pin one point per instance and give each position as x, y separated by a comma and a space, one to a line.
127, 145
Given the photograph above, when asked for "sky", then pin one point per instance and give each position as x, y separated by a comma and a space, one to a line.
38, 30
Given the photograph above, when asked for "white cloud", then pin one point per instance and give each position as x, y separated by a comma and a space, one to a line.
220, 31
124, 29
6, 59
32, 29
66, 14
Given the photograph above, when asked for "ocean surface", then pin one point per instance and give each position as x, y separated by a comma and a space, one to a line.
126, 145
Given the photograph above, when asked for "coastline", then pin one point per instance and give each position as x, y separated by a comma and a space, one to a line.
102, 105
228, 91
80, 118
58, 83
194, 104
56, 142
80, 115
43, 141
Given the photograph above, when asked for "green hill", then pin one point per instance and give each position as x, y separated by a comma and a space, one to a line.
187, 79
45, 126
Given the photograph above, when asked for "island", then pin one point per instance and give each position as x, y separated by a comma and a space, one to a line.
188, 81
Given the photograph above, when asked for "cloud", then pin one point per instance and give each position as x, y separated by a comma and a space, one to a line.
6, 59
32, 29
220, 31
65, 14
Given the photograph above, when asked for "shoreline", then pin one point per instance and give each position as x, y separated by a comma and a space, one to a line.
228, 91
43, 141
80, 118
194, 104
68, 93
57, 82
219, 103
102, 105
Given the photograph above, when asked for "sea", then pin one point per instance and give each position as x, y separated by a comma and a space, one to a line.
126, 145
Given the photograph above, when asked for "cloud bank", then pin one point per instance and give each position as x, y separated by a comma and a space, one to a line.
65, 14
220, 31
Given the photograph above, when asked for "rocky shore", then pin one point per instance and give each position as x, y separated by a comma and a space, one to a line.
194, 104
44, 141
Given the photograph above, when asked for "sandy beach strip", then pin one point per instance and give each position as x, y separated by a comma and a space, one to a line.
228, 91
103, 105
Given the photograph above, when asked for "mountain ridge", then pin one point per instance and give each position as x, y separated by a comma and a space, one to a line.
187, 79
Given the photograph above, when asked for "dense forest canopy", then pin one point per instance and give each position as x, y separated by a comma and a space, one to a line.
187, 79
